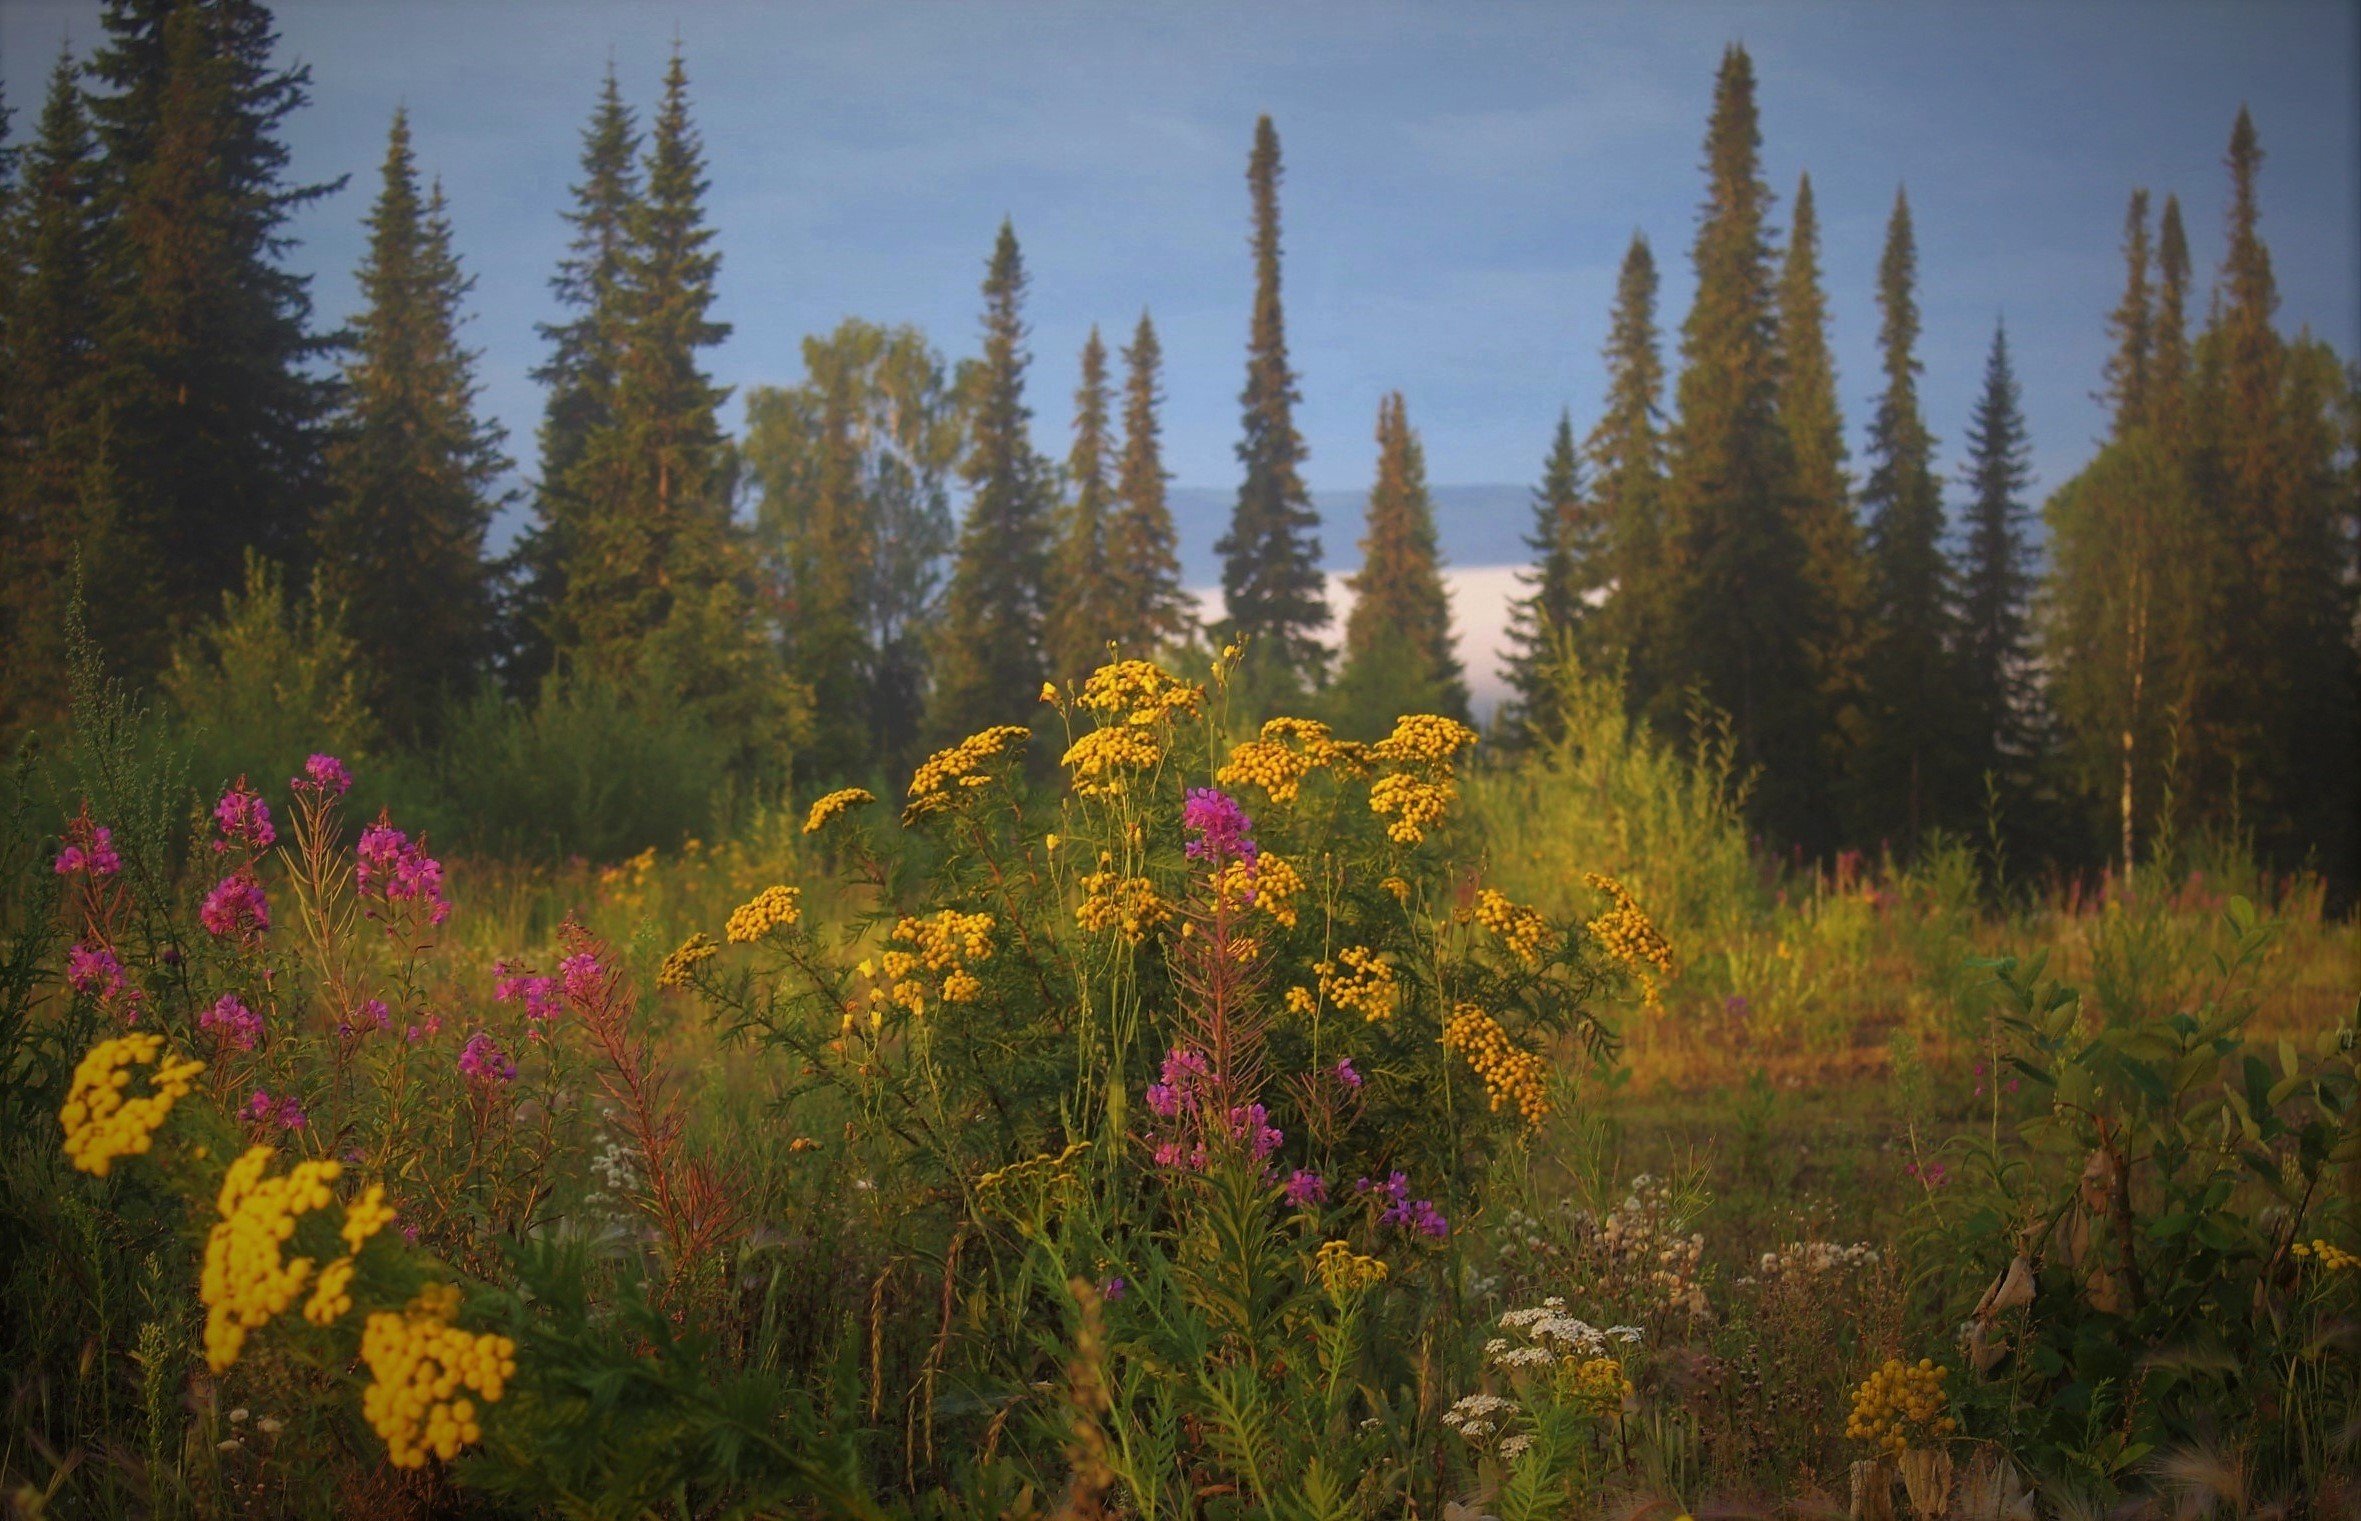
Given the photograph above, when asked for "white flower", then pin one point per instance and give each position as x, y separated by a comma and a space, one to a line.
1513, 1448
1624, 1334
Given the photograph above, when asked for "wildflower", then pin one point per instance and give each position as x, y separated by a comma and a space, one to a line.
231, 1022
1345, 1272
1521, 929
481, 1060
1398, 888
1139, 690
93, 971
1184, 1076
1628, 935
1345, 1074
1306, 1188
1129, 904
1104, 760
244, 820
246, 1280
682, 963
1286, 752
539, 995
944, 943
1512, 1075
1251, 1124
1359, 981
102, 1123
390, 862
1300, 1000
1224, 832
92, 854
2331, 1257
323, 776
1419, 1215
1417, 794
365, 1217
939, 783
772, 908
286, 1112
1113, 1289
841, 800
236, 908
372, 1014
1899, 1407
418, 1362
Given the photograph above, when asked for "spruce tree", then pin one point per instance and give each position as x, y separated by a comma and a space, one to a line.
1142, 548
1996, 581
413, 470
1569, 542
1398, 655
1271, 582
1626, 454
2132, 325
580, 373
2168, 330
989, 661
1835, 577
1741, 612
207, 374
1913, 776
1085, 604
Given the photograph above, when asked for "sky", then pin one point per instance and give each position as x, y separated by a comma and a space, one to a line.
1460, 182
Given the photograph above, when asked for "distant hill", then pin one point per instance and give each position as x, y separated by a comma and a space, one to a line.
1478, 525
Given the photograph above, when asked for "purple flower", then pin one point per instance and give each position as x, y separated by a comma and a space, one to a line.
1113, 1289
1224, 831
93, 969
482, 1060
537, 994
1346, 1075
236, 906
1251, 1123
390, 862
581, 975
244, 819
232, 1022
95, 855
285, 1112
1306, 1188
1170, 1154
373, 1014
1184, 1073
324, 774
1418, 1215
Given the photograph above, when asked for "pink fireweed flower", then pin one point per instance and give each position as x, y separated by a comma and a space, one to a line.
581, 974
244, 819
324, 775
539, 995
1113, 1289
1418, 1215
1184, 1076
236, 907
1224, 832
285, 1112
94, 855
1251, 1123
1345, 1075
93, 969
389, 862
482, 1061
1306, 1188
231, 1022
428, 1029
372, 1014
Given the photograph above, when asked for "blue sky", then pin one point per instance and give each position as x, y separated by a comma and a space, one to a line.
1461, 180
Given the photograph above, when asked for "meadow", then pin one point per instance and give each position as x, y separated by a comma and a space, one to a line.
1150, 1114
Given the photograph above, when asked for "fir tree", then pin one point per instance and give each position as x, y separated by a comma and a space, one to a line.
2133, 324
2168, 329
413, 469
1142, 549
1996, 582
1271, 582
1834, 574
1086, 610
581, 372
1398, 655
207, 379
1626, 453
989, 660
1913, 778
1741, 615
1569, 542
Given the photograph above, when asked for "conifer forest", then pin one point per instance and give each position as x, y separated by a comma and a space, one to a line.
600, 919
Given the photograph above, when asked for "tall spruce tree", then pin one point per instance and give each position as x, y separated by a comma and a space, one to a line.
1996, 685
1913, 776
580, 374
1742, 613
2168, 331
2133, 323
1143, 555
1085, 608
207, 359
1398, 655
989, 661
1626, 453
1835, 577
1569, 542
413, 470
1271, 582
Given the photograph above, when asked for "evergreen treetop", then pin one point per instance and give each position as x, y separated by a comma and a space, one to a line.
1142, 547
1085, 612
1570, 542
1398, 654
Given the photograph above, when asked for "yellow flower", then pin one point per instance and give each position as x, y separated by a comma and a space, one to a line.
1049, 693
675, 971
1112, 901
1511, 1074
1424, 740
1362, 983
943, 943
2332, 1258
1301, 1001
1399, 888
101, 1124
1899, 1407
332, 1296
1626, 933
1418, 788
245, 1280
1345, 1272
1523, 930
1413, 803
418, 1363
365, 1217
1104, 760
1597, 1382
839, 801
771, 909
948, 774
1143, 692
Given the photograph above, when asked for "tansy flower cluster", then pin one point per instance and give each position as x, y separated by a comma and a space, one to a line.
1598, 1384
245, 1280
1419, 790
418, 1364
772, 908
674, 973
1626, 933
1345, 1272
1105, 760
842, 800
1267, 882
943, 943
2331, 1257
938, 783
1285, 752
1141, 691
1512, 1075
100, 1122
1521, 929
1359, 981
1113, 901
1899, 1407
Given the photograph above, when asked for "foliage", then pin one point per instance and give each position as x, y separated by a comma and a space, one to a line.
1398, 654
